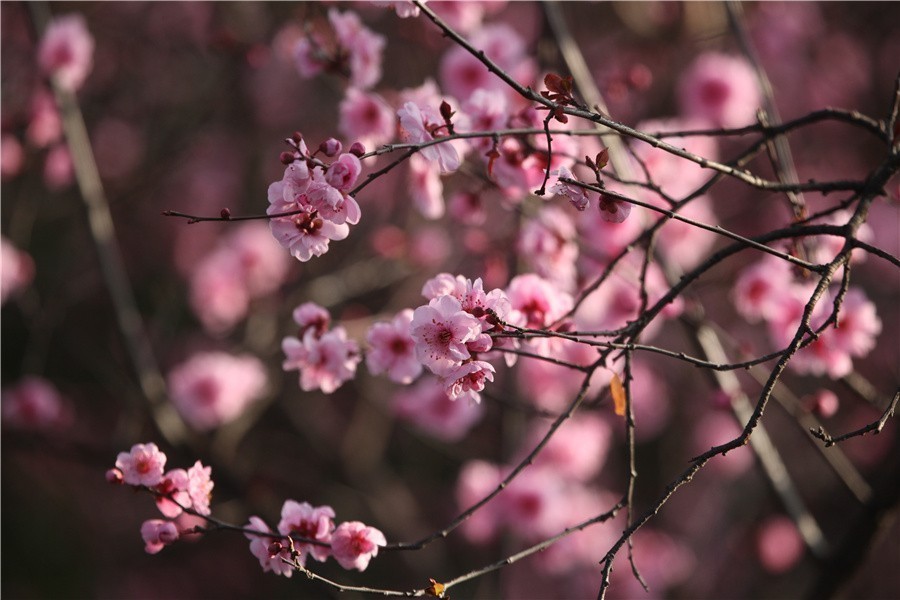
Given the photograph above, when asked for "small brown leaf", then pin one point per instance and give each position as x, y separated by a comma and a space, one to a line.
435, 589
618, 395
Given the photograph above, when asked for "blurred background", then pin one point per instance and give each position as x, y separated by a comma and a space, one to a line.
187, 106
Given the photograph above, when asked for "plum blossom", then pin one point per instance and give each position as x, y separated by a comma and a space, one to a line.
403, 8
211, 389
268, 550
779, 545
392, 349
354, 544
67, 51
310, 315
325, 362
476, 479
536, 302
302, 520
174, 495
485, 110
441, 329
548, 244
142, 465
579, 452
34, 403
427, 406
467, 380
366, 117
363, 47
462, 74
12, 156
720, 88
425, 187
200, 487
759, 288
577, 195
157, 534
613, 209
421, 126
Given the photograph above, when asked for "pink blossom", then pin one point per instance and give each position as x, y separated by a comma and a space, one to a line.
306, 234
430, 246
427, 406
465, 381
392, 349
303, 521
577, 195
403, 8
464, 16
778, 544
441, 330
143, 465
425, 187
536, 302
66, 51
324, 362
823, 403
34, 403
218, 294
363, 46
366, 117
462, 74
58, 170
477, 479
354, 544
720, 88
534, 503
676, 176
548, 244
485, 110
578, 452
157, 534
759, 288
214, 388
261, 547
200, 487
174, 493
44, 123
263, 266
467, 208
12, 156
309, 57
310, 315
422, 126
343, 173
612, 209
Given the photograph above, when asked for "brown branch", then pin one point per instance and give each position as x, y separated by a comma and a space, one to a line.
874, 427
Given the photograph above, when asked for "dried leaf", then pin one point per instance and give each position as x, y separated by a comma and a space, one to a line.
618, 395
435, 589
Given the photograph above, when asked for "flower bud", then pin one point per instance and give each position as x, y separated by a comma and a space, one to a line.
357, 150
330, 147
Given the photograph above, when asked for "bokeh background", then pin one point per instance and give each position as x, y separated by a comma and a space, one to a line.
187, 105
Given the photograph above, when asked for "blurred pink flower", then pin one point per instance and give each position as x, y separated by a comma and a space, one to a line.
211, 389
427, 406
157, 534
59, 172
66, 51
548, 244
778, 544
536, 302
577, 452
720, 88
16, 269
365, 117
34, 403
476, 479
143, 465
425, 187
354, 544
310, 315
392, 349
12, 156
44, 123
302, 520
363, 46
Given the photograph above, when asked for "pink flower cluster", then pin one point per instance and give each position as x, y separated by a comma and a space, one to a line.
453, 330
34, 403
313, 534
311, 205
768, 291
325, 358
355, 50
176, 491
211, 389
247, 264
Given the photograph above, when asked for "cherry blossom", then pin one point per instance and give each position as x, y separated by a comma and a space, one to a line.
268, 550
465, 381
211, 389
366, 117
425, 187
34, 403
363, 46
441, 330
200, 487
392, 349
310, 315
158, 534
143, 465
302, 520
427, 406
324, 362
779, 545
174, 495
421, 126
66, 51
720, 88
354, 544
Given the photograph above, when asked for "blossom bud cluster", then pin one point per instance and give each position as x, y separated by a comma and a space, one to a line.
176, 491
313, 534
